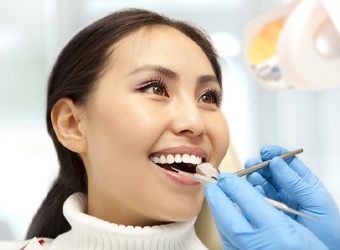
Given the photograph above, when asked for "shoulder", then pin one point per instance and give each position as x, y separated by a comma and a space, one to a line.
32, 244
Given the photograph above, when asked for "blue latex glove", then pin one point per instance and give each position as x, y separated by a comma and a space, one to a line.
292, 183
259, 225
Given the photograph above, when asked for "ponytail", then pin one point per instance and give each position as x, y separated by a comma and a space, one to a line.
49, 220
53, 223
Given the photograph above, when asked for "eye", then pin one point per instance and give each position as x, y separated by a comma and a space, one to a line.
157, 87
211, 96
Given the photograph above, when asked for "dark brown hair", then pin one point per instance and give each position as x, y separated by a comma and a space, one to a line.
78, 67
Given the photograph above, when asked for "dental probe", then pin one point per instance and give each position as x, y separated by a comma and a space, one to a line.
210, 171
281, 206
266, 163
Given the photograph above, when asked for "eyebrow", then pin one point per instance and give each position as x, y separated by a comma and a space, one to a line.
208, 78
164, 71
173, 75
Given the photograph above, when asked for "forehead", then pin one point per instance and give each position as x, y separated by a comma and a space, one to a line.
164, 45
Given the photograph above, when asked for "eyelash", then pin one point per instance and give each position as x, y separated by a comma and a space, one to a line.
215, 94
159, 82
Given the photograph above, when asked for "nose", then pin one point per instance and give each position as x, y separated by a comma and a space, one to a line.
188, 119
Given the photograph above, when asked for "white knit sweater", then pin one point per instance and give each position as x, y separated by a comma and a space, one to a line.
92, 233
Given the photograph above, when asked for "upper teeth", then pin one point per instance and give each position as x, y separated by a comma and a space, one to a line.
169, 159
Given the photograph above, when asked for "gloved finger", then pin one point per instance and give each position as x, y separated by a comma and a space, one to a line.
254, 207
264, 187
227, 217
259, 189
313, 199
254, 161
269, 152
302, 170
269, 184
303, 192
256, 179
251, 162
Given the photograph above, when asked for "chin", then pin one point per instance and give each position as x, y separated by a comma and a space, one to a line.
185, 213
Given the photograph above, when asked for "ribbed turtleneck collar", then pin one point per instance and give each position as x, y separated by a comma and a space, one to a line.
88, 232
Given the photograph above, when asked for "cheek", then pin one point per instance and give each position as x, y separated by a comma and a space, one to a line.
125, 129
119, 140
219, 134
139, 126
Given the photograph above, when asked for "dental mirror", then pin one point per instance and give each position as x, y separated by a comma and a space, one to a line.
207, 170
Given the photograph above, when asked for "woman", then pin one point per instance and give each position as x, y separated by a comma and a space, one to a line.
130, 96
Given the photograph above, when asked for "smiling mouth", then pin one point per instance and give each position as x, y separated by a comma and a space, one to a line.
183, 162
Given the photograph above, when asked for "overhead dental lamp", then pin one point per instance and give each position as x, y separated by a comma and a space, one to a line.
296, 46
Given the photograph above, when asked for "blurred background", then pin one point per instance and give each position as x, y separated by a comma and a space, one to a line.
32, 32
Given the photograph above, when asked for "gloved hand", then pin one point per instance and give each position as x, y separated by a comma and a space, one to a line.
292, 183
259, 225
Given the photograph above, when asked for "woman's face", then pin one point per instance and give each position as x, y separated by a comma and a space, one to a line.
158, 100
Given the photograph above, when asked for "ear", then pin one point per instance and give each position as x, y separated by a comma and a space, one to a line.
68, 124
